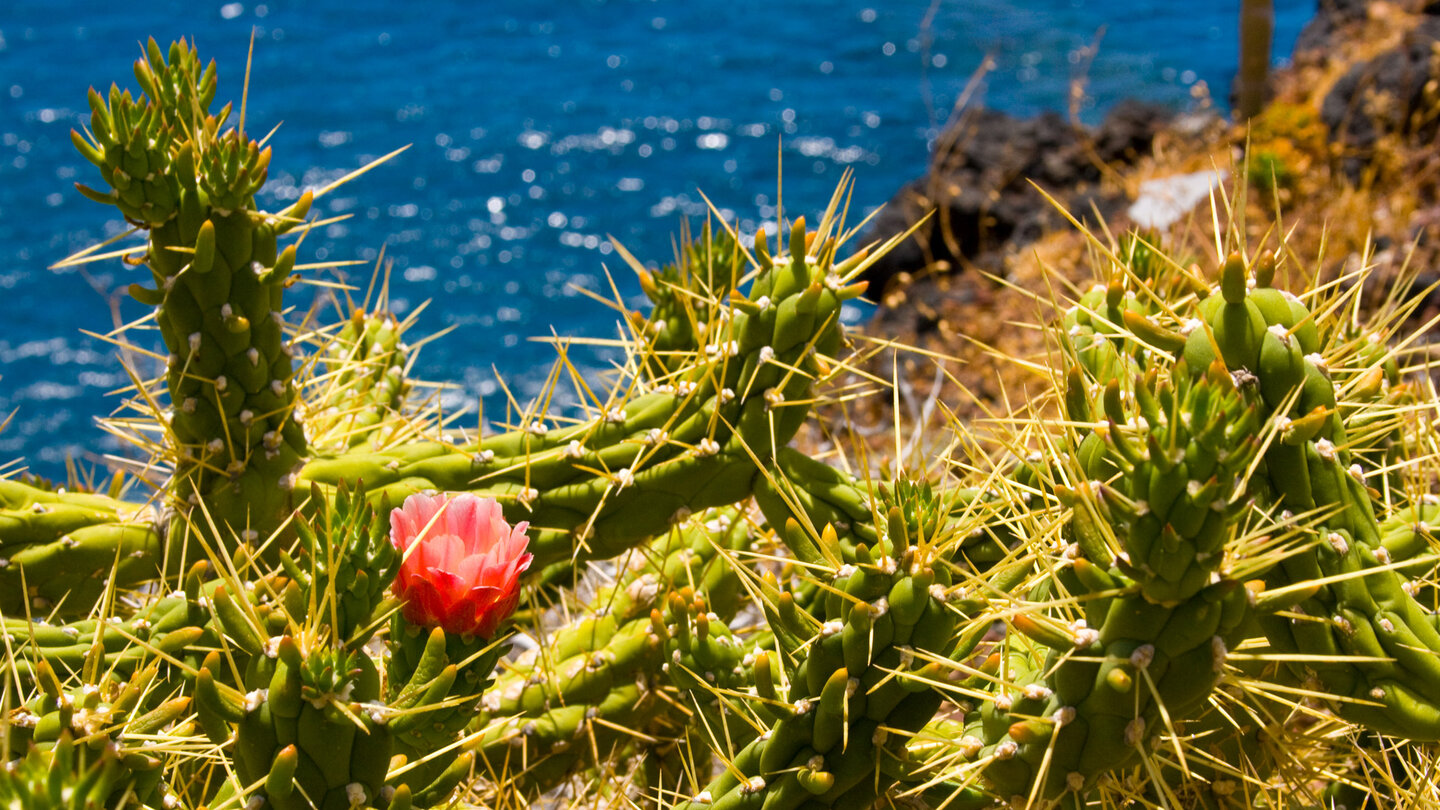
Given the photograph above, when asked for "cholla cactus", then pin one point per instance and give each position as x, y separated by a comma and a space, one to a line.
177, 173
1210, 583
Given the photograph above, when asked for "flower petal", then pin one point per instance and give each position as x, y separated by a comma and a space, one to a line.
450, 587
470, 568
409, 521
469, 614
491, 528
464, 575
460, 517
499, 530
518, 541
424, 604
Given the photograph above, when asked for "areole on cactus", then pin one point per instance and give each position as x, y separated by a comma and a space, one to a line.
1191, 590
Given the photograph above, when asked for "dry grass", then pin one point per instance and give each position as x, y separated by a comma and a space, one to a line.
979, 350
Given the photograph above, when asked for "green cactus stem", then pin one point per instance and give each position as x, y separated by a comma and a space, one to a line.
706, 270
851, 701
607, 671
1363, 610
1149, 528
597, 488
94, 737
58, 549
168, 626
306, 726
364, 388
174, 171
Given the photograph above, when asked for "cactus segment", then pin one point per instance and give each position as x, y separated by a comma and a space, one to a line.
435, 680
347, 565
86, 746
314, 735
620, 664
175, 172
173, 625
58, 548
850, 701
365, 388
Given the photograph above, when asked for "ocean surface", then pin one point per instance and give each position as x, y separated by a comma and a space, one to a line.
536, 130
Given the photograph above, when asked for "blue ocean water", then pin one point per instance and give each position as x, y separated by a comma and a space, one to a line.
537, 129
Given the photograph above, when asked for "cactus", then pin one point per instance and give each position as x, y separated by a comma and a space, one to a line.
849, 662
691, 443
1157, 616
59, 547
1210, 583
62, 778
171, 626
218, 275
1367, 609
364, 385
669, 441
94, 734
601, 673
705, 270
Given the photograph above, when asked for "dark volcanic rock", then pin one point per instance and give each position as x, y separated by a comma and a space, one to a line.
1385, 95
1330, 18
979, 184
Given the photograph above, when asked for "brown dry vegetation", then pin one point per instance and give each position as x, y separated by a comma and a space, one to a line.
976, 352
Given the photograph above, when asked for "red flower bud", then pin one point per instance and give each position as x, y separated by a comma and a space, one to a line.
462, 562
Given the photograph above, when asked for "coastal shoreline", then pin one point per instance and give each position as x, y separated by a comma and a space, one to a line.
1347, 141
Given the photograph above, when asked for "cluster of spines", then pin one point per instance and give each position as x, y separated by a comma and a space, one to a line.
659, 625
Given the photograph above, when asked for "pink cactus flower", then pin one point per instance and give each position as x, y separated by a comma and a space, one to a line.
462, 562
